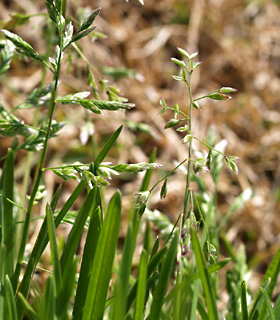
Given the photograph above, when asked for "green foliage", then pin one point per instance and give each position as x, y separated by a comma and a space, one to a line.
178, 273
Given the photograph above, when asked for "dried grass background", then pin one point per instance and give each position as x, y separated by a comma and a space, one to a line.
239, 45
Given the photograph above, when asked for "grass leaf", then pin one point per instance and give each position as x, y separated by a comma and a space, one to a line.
272, 273
276, 307
141, 287
152, 265
88, 257
204, 276
48, 301
76, 232
109, 144
244, 307
67, 290
268, 304
10, 298
184, 284
164, 276
7, 219
41, 243
54, 250
2, 279
256, 310
28, 309
121, 284
103, 261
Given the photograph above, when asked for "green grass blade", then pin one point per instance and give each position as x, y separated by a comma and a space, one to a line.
195, 299
54, 250
148, 238
109, 144
28, 309
148, 175
204, 276
185, 284
141, 287
135, 228
255, 312
56, 198
48, 302
41, 243
202, 311
68, 284
88, 257
7, 218
2, 279
144, 186
271, 273
121, 284
10, 298
155, 247
164, 276
76, 232
244, 307
276, 307
103, 261
268, 304
152, 265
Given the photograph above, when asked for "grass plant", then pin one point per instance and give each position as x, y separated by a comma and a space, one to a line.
178, 277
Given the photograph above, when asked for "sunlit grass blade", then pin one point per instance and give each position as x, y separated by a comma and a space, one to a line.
88, 257
109, 144
48, 301
147, 238
141, 287
54, 250
234, 294
202, 312
155, 247
204, 276
2, 279
244, 307
121, 284
147, 178
164, 277
272, 273
187, 281
67, 290
144, 186
103, 261
152, 265
28, 309
41, 243
268, 305
56, 198
276, 307
10, 298
7, 219
195, 299
76, 232
255, 312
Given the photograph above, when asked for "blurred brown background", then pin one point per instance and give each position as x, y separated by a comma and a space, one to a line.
239, 45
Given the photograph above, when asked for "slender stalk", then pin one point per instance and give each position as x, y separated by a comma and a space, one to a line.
188, 180
169, 174
38, 175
